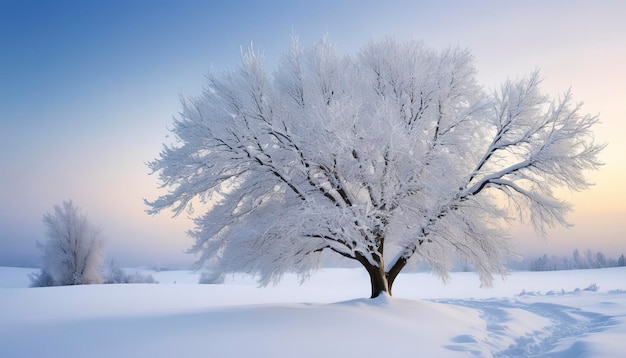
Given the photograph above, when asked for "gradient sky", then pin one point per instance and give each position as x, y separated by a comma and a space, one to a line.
88, 88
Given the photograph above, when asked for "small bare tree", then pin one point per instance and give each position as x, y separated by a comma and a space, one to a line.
73, 253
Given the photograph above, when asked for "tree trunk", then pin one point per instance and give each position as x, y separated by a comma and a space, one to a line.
394, 271
378, 277
378, 281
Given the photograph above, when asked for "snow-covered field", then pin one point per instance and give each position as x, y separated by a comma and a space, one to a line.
530, 314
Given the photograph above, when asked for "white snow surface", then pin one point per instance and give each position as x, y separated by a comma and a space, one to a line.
528, 314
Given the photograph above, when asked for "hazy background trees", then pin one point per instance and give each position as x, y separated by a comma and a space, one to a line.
389, 156
115, 274
587, 260
73, 253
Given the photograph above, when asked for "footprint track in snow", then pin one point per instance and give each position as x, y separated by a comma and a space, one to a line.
565, 323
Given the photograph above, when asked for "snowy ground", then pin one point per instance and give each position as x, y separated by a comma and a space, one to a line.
530, 314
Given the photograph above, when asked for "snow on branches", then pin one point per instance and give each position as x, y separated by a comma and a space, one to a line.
389, 155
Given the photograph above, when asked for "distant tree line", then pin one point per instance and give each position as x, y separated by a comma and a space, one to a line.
586, 260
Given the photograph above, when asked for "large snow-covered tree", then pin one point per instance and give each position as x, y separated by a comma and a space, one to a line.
392, 155
73, 254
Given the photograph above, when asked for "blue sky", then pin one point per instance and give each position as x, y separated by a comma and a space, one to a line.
88, 88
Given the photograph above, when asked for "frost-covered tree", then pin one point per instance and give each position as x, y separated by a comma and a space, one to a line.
577, 259
74, 251
115, 274
601, 260
392, 155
